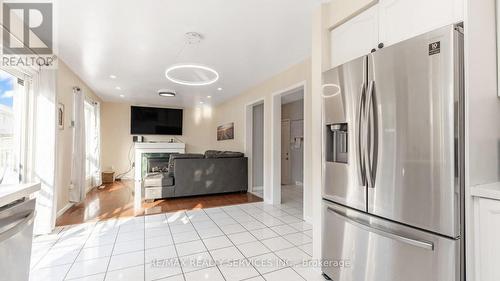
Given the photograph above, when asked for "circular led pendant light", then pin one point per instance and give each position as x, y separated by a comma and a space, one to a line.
192, 74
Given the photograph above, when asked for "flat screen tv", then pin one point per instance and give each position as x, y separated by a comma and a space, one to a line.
155, 121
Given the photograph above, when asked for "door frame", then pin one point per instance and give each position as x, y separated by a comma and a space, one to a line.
276, 141
249, 142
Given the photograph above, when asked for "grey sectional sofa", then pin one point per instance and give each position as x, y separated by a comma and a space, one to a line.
199, 174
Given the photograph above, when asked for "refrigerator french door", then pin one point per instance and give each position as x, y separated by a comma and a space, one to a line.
392, 173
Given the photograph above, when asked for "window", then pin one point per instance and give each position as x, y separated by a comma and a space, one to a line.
92, 136
13, 110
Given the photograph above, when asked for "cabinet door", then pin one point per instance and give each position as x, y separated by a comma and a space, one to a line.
355, 38
403, 19
488, 237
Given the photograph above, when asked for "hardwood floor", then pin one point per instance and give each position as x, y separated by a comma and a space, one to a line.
117, 200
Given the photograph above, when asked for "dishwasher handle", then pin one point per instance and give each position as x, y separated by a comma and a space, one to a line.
18, 227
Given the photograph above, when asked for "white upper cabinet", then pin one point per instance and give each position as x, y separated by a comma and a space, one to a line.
355, 38
389, 22
404, 19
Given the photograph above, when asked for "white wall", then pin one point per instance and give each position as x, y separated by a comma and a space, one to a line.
483, 104
319, 61
66, 80
234, 111
117, 140
293, 110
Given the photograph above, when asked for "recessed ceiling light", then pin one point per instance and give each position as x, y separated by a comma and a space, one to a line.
122, 96
166, 93
219, 89
118, 88
201, 102
196, 68
112, 76
209, 97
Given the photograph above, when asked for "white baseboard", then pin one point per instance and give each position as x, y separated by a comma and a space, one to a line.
308, 219
64, 209
257, 188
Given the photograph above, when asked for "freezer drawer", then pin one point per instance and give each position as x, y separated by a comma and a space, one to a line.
359, 247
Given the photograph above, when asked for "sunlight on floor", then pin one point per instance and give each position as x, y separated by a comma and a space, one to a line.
184, 245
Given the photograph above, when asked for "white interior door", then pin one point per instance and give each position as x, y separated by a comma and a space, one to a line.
285, 152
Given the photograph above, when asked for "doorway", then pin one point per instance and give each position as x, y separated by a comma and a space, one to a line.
292, 147
257, 182
254, 147
285, 152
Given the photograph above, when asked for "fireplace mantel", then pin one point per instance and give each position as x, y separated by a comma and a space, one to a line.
154, 147
150, 147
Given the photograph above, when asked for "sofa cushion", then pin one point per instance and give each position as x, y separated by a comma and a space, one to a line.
230, 154
158, 180
171, 163
212, 153
223, 154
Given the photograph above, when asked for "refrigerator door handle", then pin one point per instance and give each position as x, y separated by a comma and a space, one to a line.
371, 129
394, 236
361, 138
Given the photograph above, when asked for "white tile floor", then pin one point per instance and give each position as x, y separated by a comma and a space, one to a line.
242, 242
289, 193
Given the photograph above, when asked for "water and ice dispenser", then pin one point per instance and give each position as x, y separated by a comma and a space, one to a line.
337, 140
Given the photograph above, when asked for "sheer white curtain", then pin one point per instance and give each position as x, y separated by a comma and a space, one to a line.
92, 143
78, 169
44, 141
97, 179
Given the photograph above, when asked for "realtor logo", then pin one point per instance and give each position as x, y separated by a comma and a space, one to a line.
28, 39
29, 27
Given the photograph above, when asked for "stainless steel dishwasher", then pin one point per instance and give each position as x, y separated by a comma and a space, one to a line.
16, 232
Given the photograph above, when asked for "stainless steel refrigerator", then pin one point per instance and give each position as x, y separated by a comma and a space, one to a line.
393, 148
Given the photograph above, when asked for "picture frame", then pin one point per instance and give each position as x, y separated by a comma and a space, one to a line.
225, 132
60, 116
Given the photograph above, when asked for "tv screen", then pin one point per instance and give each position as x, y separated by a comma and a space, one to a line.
155, 121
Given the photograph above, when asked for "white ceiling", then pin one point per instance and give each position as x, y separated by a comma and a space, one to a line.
246, 41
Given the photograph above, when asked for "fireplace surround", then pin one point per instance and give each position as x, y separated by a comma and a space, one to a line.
155, 162
150, 147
